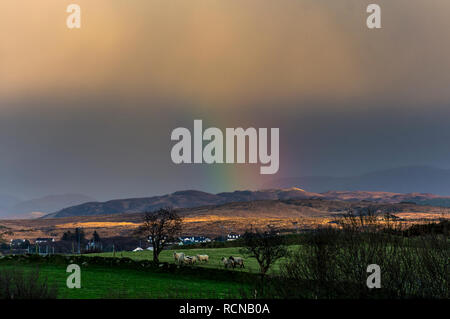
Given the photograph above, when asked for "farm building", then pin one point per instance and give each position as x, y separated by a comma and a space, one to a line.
44, 240
19, 243
233, 236
187, 240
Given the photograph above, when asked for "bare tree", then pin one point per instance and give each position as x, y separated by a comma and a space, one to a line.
160, 227
265, 246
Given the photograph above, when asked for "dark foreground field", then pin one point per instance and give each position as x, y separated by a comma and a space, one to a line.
326, 264
124, 279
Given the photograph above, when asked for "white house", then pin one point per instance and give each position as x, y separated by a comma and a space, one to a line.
233, 236
44, 240
187, 240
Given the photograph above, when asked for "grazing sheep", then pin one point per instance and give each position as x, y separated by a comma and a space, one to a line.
190, 260
227, 262
203, 258
179, 257
239, 261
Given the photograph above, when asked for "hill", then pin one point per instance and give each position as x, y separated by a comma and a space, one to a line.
215, 220
6, 202
192, 199
181, 199
382, 197
413, 179
41, 206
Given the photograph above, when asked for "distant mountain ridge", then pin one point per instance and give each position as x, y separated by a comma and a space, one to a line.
41, 206
194, 198
411, 179
180, 199
6, 202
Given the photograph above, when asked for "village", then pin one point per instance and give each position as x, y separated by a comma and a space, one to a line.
77, 243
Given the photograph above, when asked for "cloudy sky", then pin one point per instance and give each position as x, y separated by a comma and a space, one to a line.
91, 110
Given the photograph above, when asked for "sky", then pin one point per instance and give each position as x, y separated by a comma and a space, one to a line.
91, 110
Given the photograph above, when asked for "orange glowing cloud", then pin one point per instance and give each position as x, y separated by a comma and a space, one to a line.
208, 51
222, 53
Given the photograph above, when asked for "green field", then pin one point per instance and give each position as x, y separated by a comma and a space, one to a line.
215, 256
333, 265
110, 282
117, 282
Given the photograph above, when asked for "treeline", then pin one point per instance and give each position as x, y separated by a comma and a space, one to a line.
441, 228
79, 235
333, 262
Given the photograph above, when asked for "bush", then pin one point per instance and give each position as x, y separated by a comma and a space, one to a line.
333, 264
18, 284
443, 228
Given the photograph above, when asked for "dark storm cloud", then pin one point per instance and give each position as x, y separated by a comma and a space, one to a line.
112, 152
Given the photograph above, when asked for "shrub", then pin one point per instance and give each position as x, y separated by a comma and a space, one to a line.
333, 264
18, 284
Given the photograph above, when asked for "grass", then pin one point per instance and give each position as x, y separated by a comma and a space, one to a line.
328, 264
215, 256
109, 282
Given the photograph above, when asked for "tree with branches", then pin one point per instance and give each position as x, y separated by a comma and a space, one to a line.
95, 237
265, 246
160, 227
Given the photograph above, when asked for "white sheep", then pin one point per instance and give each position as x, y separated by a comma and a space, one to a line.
190, 260
203, 258
179, 257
